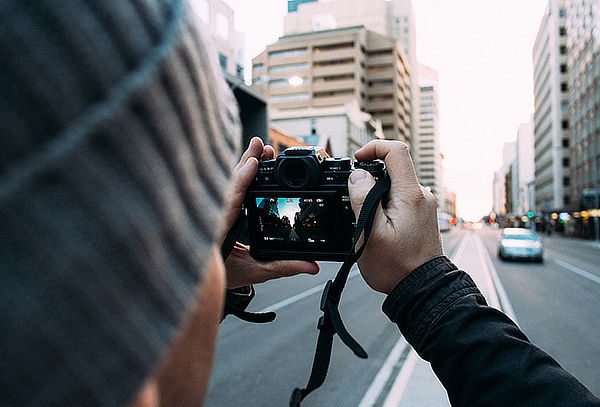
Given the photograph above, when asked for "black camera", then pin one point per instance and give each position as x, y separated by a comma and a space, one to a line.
299, 208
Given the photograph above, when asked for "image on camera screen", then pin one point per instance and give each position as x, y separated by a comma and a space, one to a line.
299, 220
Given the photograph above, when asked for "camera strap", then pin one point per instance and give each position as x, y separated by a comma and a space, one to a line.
330, 323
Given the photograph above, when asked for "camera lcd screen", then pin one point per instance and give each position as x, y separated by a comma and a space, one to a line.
300, 220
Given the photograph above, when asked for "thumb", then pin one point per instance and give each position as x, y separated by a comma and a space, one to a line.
359, 185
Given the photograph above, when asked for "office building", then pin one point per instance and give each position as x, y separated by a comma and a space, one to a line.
329, 69
216, 18
525, 169
281, 140
426, 151
395, 19
551, 142
582, 184
341, 130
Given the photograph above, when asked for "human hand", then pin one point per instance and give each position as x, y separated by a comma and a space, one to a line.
241, 178
241, 268
405, 232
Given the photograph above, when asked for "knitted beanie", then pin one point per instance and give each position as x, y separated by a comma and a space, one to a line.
118, 139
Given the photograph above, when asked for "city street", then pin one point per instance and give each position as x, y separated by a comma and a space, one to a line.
555, 303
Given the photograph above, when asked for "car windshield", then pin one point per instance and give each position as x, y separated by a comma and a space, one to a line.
520, 237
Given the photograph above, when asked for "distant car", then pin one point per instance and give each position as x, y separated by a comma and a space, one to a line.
520, 243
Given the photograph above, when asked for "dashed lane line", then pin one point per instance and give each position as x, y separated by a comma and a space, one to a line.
577, 270
302, 295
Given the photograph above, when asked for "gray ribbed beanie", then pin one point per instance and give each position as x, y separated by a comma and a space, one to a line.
118, 138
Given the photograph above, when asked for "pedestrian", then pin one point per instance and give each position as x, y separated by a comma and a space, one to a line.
118, 182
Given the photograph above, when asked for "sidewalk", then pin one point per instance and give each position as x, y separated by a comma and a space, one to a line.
416, 384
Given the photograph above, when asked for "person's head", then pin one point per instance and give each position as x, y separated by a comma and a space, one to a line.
119, 136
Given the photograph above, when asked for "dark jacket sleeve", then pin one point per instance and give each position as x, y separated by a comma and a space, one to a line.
481, 357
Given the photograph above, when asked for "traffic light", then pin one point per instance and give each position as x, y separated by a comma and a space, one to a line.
530, 214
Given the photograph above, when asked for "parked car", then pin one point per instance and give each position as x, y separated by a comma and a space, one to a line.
520, 243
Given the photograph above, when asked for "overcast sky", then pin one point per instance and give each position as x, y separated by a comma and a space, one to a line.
482, 50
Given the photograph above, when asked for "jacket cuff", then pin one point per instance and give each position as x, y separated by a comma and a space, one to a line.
425, 295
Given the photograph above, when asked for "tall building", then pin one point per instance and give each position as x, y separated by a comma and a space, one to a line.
514, 183
217, 19
395, 18
525, 169
499, 200
551, 143
583, 63
390, 18
334, 68
426, 151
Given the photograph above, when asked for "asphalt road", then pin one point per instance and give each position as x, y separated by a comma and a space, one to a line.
557, 308
557, 304
260, 364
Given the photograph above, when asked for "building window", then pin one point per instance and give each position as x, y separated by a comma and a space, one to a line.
567, 199
563, 68
379, 68
288, 67
376, 98
565, 143
380, 53
383, 112
222, 26
565, 162
344, 61
562, 12
562, 31
564, 87
563, 50
334, 78
333, 47
387, 127
288, 52
380, 82
333, 93
258, 66
277, 83
223, 61
289, 97
565, 124
566, 181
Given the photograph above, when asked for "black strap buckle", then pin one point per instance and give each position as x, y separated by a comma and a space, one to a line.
325, 296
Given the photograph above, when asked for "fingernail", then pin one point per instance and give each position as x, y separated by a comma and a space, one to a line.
358, 176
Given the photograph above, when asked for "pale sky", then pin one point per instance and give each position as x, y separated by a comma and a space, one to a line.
482, 50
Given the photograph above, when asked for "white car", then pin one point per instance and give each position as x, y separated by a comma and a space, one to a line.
520, 243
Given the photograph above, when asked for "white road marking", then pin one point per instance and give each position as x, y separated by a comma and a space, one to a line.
461, 249
505, 304
382, 377
487, 267
302, 295
386, 370
397, 390
577, 270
